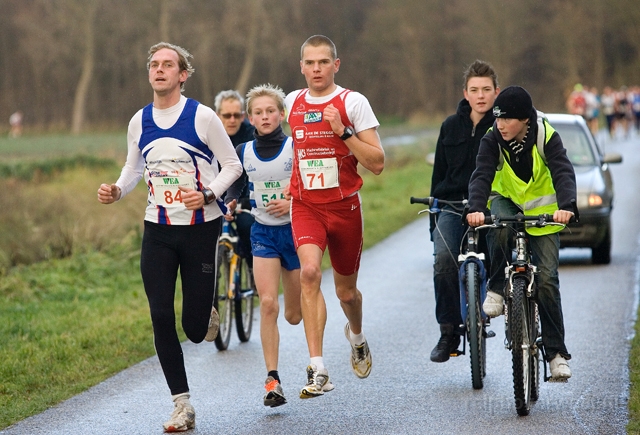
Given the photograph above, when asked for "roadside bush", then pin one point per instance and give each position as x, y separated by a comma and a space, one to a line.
61, 216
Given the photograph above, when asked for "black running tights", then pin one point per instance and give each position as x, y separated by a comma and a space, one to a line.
165, 250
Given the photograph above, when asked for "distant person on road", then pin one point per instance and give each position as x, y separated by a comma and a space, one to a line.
577, 103
229, 106
592, 110
635, 107
175, 143
608, 104
267, 161
533, 184
15, 122
454, 163
333, 130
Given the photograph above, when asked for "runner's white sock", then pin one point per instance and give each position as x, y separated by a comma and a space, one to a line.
181, 396
356, 339
318, 362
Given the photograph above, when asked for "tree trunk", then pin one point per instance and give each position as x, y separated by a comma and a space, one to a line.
88, 63
242, 84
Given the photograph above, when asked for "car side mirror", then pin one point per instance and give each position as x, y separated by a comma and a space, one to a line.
612, 158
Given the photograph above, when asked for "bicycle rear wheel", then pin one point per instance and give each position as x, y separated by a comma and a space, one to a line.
521, 346
475, 331
244, 301
221, 300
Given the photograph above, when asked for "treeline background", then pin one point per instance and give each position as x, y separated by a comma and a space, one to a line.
80, 65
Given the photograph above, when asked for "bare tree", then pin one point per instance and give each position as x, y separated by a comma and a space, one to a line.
88, 64
251, 42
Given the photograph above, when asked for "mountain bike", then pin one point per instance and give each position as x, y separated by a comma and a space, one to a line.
235, 288
521, 317
472, 279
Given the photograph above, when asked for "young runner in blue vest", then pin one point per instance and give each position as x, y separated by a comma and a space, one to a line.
267, 163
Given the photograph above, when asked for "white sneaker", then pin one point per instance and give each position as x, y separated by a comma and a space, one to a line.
214, 325
360, 356
182, 419
318, 383
559, 368
493, 305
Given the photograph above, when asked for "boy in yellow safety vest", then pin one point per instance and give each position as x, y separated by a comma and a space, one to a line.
515, 176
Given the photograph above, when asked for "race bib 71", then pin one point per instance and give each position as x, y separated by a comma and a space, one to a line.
319, 173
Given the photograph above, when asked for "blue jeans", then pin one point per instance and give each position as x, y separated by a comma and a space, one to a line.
447, 235
545, 255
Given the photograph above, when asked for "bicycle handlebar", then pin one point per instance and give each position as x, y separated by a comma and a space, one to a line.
493, 220
434, 202
541, 220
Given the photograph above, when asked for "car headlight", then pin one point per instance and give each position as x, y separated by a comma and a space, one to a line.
588, 200
595, 200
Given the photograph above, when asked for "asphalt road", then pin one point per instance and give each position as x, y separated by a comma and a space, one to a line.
406, 393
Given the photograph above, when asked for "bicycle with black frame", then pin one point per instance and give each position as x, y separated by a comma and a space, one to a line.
521, 316
472, 279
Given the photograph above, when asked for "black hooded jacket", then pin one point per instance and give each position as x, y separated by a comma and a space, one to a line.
456, 151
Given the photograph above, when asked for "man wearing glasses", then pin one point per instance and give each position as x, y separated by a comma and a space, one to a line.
229, 106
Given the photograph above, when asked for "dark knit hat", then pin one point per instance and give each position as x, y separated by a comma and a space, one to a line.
513, 102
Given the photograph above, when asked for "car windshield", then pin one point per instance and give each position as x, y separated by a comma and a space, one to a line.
576, 142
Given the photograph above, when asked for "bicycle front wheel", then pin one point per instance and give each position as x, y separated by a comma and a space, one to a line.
475, 330
244, 301
521, 346
221, 300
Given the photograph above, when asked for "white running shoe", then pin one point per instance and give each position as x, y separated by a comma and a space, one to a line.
493, 305
214, 325
560, 370
318, 383
182, 419
360, 356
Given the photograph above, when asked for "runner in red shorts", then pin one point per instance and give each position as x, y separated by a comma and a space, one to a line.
333, 130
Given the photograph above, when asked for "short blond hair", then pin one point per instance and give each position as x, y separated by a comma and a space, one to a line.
183, 58
267, 90
317, 41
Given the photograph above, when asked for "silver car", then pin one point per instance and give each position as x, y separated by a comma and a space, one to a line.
595, 187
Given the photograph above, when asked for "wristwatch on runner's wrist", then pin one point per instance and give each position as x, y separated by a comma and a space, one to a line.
209, 197
348, 132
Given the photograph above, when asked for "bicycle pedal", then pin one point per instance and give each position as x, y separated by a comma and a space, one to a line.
559, 380
456, 353
491, 334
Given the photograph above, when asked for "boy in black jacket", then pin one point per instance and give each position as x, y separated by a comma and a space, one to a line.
455, 161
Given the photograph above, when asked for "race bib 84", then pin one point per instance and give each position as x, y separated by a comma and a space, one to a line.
166, 190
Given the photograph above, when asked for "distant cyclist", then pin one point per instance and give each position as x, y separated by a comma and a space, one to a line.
455, 161
229, 106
